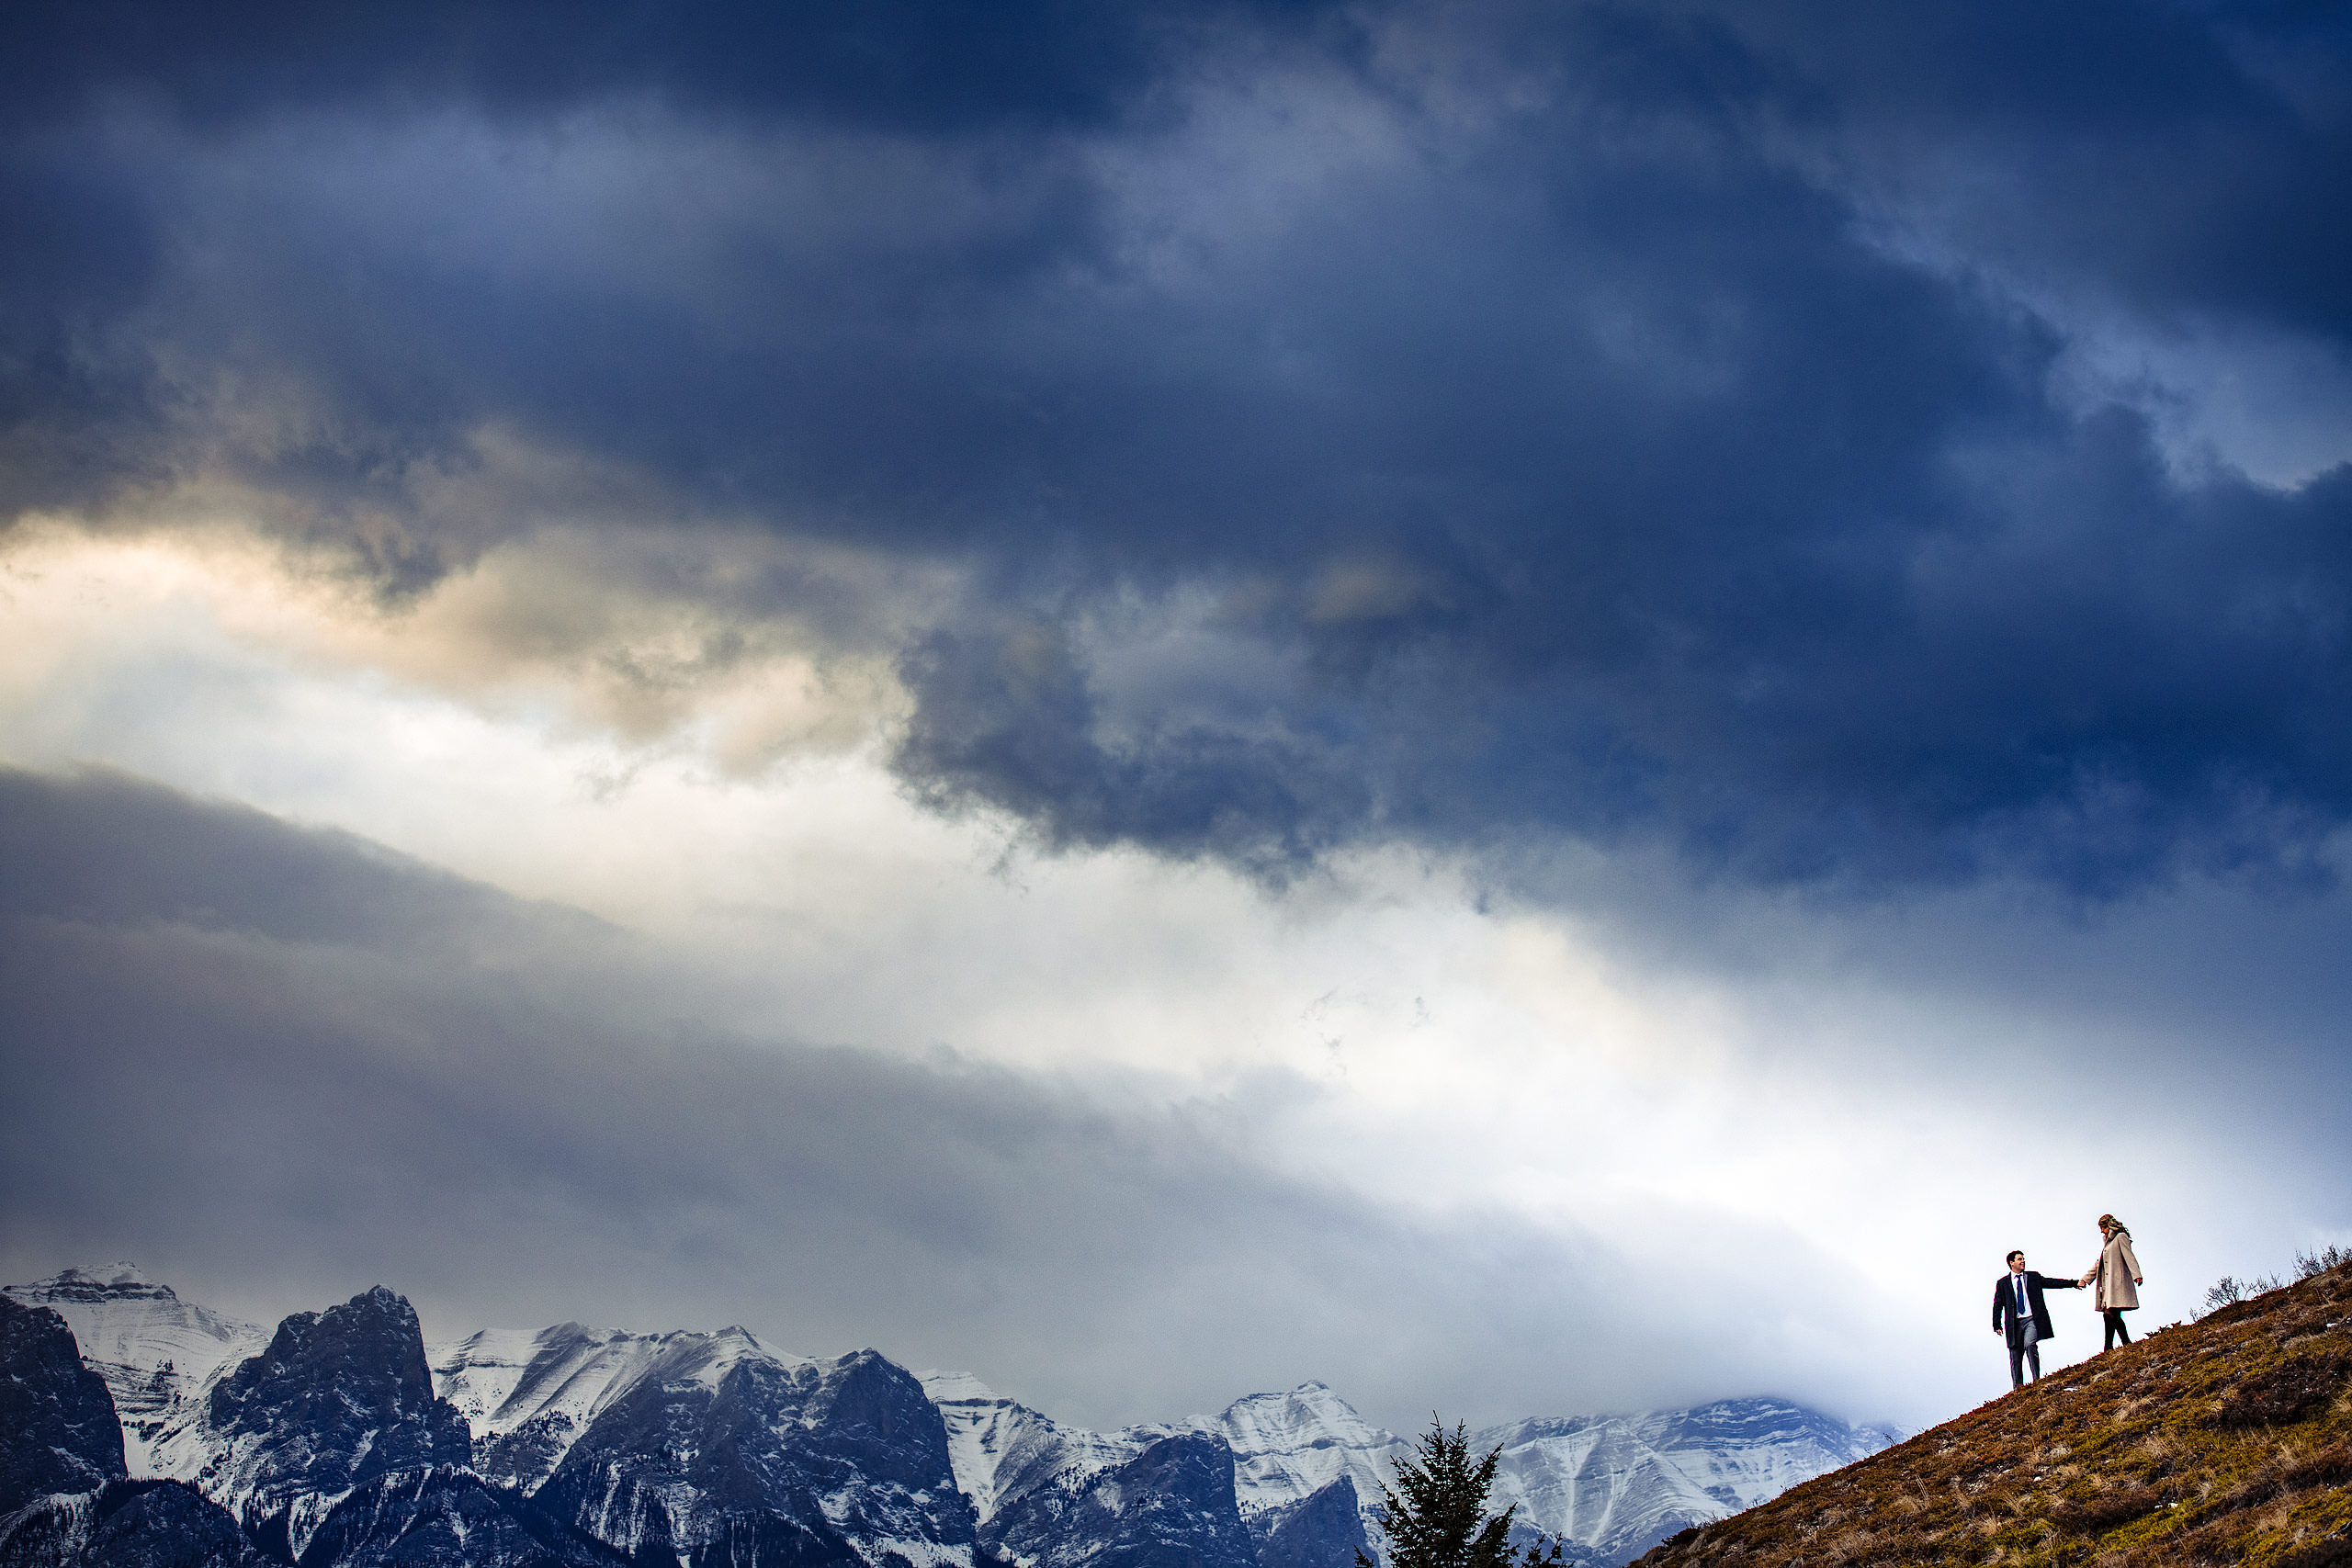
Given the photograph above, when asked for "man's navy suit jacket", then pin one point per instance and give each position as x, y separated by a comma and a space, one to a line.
2004, 1303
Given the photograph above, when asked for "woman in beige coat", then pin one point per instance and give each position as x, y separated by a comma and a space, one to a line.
2116, 1273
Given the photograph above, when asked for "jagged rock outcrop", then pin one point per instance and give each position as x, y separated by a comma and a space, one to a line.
722, 1450
1325, 1529
1171, 1507
448, 1518
58, 1432
337, 1397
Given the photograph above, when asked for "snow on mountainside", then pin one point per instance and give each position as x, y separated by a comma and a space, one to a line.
336, 1398
1611, 1485
528, 1397
1047, 1495
1286, 1447
1002, 1449
692, 1442
1171, 1504
1619, 1485
722, 1451
273, 1441
157, 1353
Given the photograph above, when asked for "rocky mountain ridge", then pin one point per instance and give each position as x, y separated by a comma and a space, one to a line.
339, 1439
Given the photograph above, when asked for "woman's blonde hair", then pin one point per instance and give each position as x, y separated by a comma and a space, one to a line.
2108, 1222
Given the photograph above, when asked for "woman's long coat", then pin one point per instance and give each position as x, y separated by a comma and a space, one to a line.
2116, 1268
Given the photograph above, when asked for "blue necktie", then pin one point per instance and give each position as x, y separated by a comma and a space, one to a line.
2021, 1295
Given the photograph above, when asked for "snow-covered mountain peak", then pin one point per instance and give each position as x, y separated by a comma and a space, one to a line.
121, 1318
501, 1378
707, 1359
1310, 1413
958, 1388
738, 1341
1289, 1445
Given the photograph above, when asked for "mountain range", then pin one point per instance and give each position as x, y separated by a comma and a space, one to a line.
155, 1431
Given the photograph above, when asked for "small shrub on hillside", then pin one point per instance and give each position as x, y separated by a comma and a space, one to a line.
2288, 1392
2228, 1291
2307, 1264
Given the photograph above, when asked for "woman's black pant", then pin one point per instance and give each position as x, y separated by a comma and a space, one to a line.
2113, 1316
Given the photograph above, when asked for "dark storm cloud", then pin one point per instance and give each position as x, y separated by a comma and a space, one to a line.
1588, 420
507, 1112
910, 64
2188, 157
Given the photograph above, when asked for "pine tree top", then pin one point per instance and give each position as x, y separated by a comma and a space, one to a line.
1435, 1515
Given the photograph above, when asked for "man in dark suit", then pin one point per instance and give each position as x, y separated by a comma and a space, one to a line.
2018, 1306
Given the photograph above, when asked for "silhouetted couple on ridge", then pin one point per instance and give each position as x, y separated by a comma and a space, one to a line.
2019, 1310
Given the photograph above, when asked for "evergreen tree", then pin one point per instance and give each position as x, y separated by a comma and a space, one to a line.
1440, 1520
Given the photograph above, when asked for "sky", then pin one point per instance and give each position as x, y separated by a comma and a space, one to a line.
1534, 708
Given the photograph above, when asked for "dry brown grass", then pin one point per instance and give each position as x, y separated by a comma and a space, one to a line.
2225, 1443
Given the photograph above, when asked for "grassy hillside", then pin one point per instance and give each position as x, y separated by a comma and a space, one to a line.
2224, 1441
